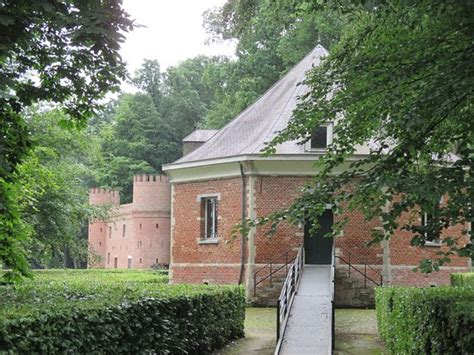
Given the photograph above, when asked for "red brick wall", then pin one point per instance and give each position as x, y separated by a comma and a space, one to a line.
97, 244
405, 257
402, 253
193, 262
151, 192
151, 245
187, 233
98, 229
147, 225
213, 274
273, 194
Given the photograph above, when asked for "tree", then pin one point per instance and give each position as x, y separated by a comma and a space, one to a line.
51, 191
149, 79
271, 36
64, 52
52, 195
137, 141
401, 79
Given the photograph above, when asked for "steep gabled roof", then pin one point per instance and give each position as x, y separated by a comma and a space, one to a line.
259, 123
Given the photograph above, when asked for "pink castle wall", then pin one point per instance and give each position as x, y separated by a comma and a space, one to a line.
136, 235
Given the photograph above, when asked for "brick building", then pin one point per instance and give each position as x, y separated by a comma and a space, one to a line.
225, 178
136, 235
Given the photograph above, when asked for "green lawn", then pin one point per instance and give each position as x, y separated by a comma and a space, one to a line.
356, 333
260, 334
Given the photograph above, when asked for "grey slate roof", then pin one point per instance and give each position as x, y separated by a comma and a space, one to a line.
259, 123
200, 135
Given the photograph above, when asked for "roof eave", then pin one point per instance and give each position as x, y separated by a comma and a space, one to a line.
250, 157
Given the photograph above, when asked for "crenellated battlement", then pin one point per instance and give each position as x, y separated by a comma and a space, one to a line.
151, 192
145, 178
100, 196
137, 234
101, 190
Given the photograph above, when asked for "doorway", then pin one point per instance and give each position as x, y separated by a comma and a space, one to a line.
318, 249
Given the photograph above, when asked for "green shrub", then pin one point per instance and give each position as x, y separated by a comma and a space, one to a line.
436, 320
465, 279
118, 317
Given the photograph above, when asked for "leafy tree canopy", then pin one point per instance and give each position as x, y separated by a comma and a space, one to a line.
271, 37
401, 79
64, 52
52, 194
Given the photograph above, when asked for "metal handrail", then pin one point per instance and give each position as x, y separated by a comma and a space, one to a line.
364, 273
273, 261
287, 296
333, 291
274, 266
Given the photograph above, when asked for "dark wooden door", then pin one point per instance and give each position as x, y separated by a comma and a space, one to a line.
318, 248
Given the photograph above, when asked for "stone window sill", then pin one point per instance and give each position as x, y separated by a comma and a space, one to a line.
209, 241
433, 244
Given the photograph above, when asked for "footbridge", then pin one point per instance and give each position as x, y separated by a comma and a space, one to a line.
305, 309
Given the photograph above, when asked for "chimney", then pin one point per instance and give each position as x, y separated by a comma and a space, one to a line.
197, 138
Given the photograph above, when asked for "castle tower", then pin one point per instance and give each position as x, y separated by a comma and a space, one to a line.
151, 192
98, 230
151, 220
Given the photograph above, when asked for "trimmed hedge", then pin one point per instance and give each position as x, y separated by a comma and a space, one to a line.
86, 276
436, 320
145, 318
464, 279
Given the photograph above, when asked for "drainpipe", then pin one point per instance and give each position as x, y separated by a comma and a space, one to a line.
243, 217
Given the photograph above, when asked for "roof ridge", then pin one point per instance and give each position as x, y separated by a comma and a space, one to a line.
252, 127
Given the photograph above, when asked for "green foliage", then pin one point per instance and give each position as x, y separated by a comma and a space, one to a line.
117, 312
401, 79
63, 52
271, 36
463, 279
51, 192
436, 320
103, 276
134, 143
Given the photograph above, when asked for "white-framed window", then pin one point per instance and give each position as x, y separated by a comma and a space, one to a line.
425, 220
209, 218
321, 138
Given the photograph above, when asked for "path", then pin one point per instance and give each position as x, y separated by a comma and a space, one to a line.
309, 325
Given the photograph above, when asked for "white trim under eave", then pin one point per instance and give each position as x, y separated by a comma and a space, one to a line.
262, 167
309, 156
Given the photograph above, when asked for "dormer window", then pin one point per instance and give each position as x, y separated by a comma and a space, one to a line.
321, 138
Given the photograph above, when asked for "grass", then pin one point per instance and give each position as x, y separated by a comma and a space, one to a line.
356, 333
260, 334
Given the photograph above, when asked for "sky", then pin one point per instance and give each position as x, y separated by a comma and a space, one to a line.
173, 32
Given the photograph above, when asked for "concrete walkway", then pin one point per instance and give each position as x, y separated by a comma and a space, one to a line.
308, 330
